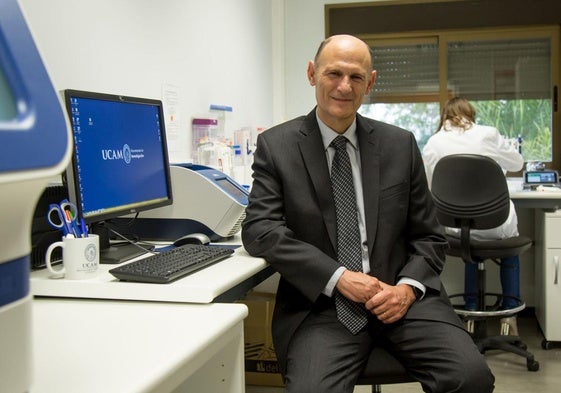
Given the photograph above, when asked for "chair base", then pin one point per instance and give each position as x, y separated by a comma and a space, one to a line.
512, 344
476, 324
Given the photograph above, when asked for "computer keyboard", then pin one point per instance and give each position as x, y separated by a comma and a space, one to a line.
171, 264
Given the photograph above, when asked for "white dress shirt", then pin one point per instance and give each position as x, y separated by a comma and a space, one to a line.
328, 135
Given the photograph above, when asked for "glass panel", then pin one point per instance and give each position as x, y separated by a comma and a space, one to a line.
405, 69
407, 77
421, 118
508, 81
529, 120
501, 69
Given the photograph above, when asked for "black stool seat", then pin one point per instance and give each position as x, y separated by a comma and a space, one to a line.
490, 249
382, 369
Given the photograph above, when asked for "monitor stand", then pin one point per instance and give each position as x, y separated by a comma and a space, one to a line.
114, 253
121, 252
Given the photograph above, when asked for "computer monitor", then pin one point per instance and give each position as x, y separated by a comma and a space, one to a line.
120, 162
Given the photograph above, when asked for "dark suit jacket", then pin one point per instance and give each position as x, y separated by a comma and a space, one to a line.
290, 220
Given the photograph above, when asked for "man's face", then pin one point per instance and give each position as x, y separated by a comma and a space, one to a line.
342, 77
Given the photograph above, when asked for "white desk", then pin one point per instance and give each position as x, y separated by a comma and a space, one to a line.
156, 343
118, 346
543, 225
549, 200
536, 200
241, 271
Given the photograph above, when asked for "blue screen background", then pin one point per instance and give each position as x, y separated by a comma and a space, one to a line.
106, 180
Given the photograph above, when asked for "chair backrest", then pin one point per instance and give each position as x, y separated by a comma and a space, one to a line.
470, 190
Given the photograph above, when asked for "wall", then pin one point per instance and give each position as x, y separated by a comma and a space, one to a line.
210, 52
304, 30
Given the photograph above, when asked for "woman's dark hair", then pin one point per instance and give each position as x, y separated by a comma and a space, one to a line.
459, 112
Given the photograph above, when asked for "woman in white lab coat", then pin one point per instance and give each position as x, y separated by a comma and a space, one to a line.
459, 134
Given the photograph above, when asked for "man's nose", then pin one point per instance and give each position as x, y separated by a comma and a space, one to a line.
345, 84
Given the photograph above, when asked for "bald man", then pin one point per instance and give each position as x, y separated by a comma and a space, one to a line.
396, 292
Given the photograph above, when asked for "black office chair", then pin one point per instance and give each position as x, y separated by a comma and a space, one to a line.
470, 192
382, 369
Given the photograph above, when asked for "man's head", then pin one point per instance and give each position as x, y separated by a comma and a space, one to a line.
342, 75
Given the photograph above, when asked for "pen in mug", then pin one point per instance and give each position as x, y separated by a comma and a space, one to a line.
72, 220
84, 228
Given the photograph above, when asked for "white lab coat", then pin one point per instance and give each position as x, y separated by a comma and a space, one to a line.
482, 140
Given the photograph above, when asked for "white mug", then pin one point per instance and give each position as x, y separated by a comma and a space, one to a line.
80, 257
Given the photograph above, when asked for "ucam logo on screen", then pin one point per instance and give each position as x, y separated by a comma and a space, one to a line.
126, 154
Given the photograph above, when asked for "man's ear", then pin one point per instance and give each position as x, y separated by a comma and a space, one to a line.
371, 82
311, 72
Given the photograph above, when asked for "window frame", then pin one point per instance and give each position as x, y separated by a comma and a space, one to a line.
444, 37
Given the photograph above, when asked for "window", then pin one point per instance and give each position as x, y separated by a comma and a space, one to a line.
509, 83
406, 89
506, 74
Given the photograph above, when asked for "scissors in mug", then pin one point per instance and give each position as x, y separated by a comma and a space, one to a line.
63, 216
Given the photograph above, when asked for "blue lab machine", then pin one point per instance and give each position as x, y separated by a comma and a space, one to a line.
34, 147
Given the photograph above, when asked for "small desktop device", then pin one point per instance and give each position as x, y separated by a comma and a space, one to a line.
120, 162
546, 177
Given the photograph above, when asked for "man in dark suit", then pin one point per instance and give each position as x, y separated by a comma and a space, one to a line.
291, 221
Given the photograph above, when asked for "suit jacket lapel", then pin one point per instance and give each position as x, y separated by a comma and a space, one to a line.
370, 164
313, 155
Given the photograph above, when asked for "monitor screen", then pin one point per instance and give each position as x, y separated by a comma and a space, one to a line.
120, 161
540, 177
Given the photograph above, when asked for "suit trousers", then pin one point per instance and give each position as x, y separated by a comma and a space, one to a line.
324, 356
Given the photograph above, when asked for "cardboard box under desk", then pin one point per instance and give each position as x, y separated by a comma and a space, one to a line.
261, 366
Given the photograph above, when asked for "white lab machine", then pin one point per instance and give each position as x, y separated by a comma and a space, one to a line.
205, 200
34, 147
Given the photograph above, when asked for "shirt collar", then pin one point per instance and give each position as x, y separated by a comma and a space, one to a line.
327, 134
